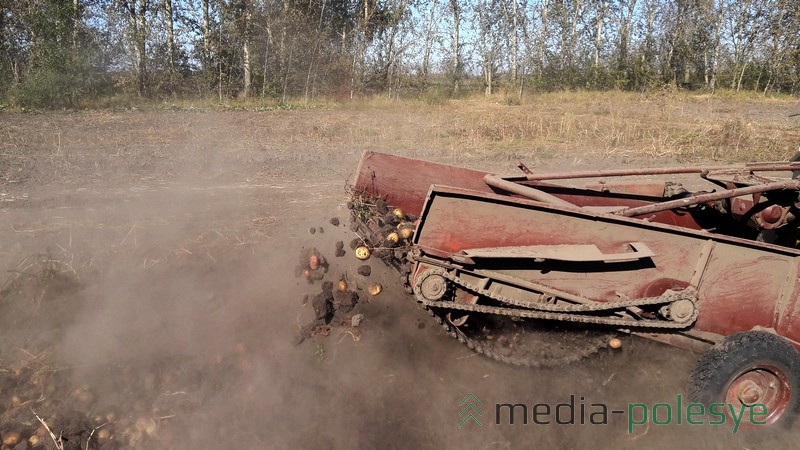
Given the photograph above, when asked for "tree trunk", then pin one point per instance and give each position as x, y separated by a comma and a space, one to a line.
489, 75
246, 59
307, 91
514, 41
598, 36
394, 49
269, 45
170, 25
141, 46
390, 60
712, 78
76, 22
486, 43
741, 75
360, 53
625, 35
426, 54
246, 68
206, 37
456, 63
286, 72
572, 36
137, 15
542, 38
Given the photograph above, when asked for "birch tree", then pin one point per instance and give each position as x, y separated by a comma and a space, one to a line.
137, 18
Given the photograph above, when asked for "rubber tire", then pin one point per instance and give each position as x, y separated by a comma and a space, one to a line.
725, 361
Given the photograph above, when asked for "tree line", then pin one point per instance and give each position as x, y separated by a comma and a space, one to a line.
60, 52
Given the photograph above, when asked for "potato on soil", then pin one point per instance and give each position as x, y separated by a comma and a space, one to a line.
104, 434
362, 253
147, 425
307, 253
35, 441
12, 438
82, 395
16, 400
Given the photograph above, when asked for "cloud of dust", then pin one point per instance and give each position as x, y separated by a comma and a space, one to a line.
181, 330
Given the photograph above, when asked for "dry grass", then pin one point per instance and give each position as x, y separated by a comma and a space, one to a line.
683, 126
600, 125
142, 143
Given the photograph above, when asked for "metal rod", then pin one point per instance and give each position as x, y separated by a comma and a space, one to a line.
702, 198
754, 167
525, 191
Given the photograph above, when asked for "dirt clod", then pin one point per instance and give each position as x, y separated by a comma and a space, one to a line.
382, 207
334, 221
364, 270
345, 301
323, 306
339, 249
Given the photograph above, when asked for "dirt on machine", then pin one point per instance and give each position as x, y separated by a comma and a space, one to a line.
542, 269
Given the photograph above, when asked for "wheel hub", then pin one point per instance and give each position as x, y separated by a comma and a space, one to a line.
749, 392
433, 287
765, 385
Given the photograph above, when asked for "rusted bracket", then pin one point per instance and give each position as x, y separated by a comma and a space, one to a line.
702, 263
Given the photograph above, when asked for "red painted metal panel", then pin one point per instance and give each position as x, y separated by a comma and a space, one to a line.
405, 182
743, 284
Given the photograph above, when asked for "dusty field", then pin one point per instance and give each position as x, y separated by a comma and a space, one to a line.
148, 287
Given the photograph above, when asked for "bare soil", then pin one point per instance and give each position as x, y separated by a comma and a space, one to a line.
148, 296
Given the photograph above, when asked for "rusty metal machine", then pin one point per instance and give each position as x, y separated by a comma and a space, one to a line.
536, 269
